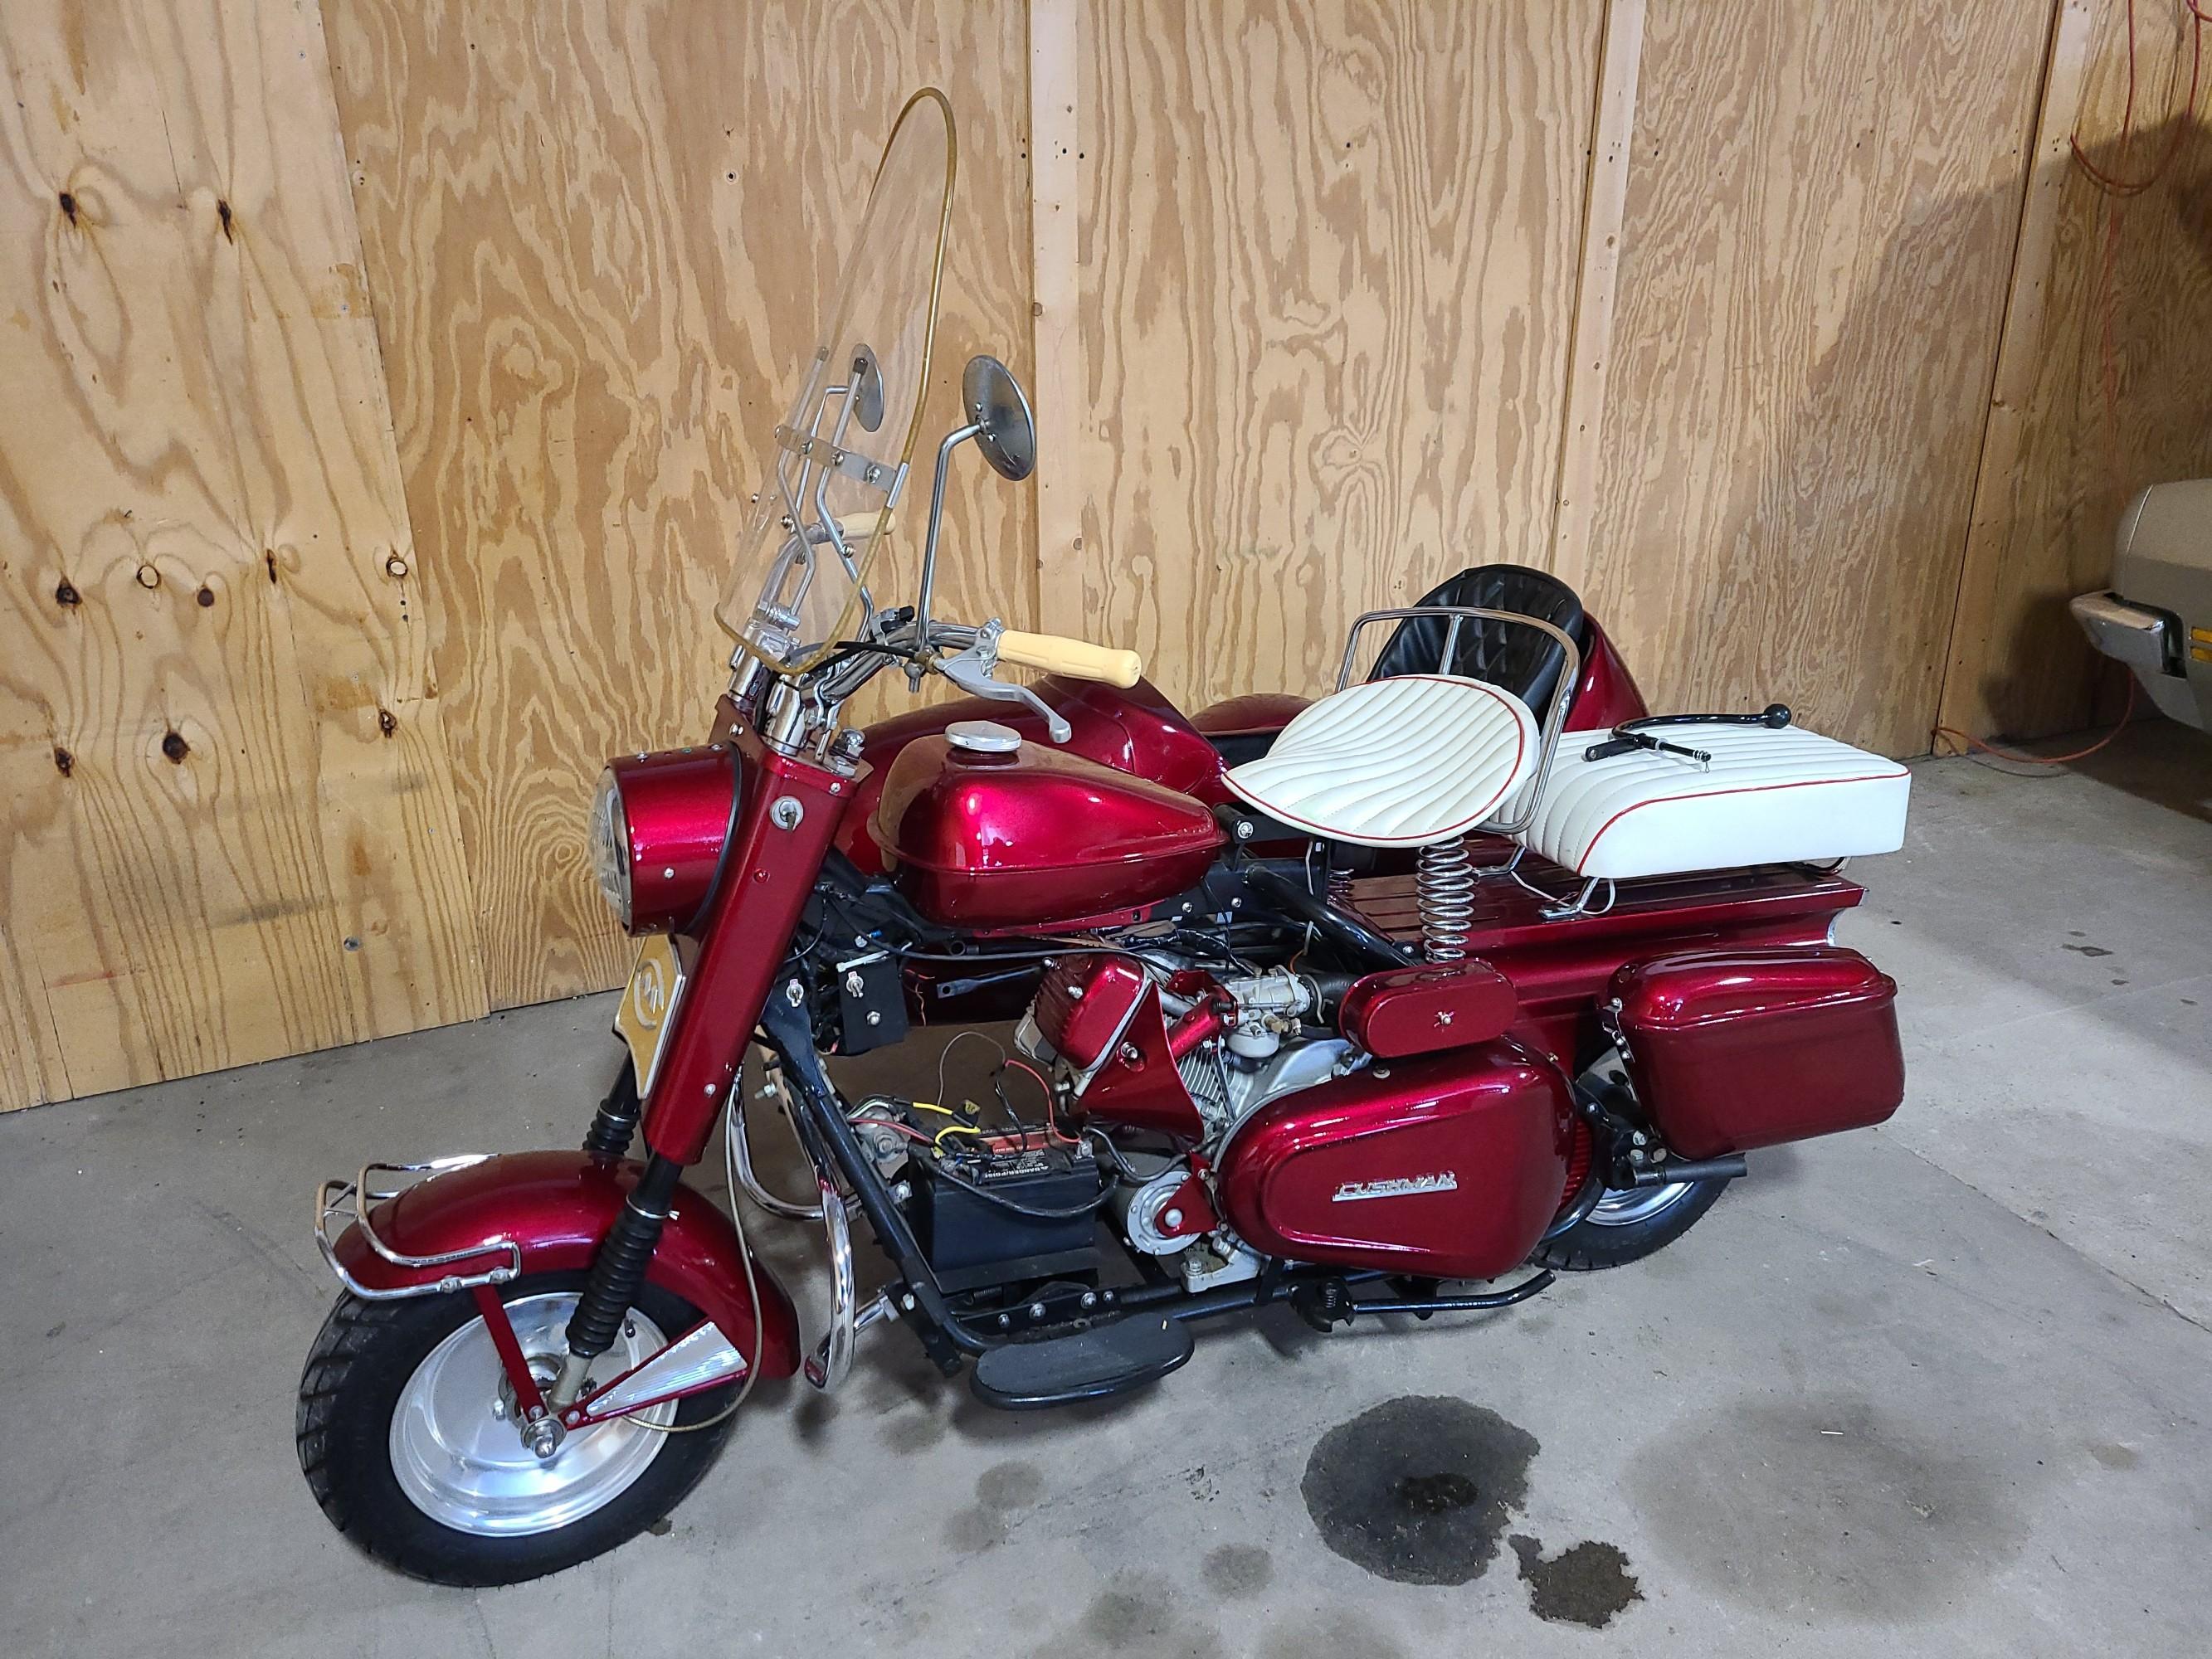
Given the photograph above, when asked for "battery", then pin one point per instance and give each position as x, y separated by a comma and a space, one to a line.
972, 1242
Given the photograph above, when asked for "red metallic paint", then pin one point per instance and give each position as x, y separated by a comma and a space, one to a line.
558, 1207
1136, 730
1138, 1084
1733, 1049
1081, 1002
1193, 1205
1034, 838
1481, 1136
733, 953
677, 805
1560, 969
1606, 695
1244, 716
1421, 1011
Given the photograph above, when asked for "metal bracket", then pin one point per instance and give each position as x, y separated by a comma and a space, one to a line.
838, 458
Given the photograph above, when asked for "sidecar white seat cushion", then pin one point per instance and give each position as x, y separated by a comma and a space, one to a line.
1395, 762
1769, 797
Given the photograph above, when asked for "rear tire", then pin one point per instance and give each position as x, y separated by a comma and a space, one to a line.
372, 1356
1627, 1226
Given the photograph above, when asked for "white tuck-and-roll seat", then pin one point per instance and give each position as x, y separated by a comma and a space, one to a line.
1419, 759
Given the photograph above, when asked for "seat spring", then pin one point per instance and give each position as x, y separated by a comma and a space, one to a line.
1340, 888
1444, 884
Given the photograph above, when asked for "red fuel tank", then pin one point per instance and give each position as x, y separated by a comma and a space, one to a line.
1034, 836
1447, 1167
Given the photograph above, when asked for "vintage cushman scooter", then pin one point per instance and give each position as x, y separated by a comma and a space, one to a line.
1393, 1002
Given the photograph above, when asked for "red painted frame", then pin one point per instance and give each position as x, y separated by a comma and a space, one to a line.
767, 873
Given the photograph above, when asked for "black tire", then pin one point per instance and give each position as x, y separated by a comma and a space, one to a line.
361, 1360
1594, 1242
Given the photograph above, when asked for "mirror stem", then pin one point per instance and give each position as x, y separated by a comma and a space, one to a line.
952, 440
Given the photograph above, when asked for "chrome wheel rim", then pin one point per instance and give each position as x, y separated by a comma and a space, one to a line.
1625, 1209
457, 1453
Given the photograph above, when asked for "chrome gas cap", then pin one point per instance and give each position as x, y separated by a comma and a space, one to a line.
983, 738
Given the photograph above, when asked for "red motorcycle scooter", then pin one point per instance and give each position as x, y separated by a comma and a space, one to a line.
1469, 969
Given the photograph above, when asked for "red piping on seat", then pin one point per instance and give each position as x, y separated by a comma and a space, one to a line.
1715, 795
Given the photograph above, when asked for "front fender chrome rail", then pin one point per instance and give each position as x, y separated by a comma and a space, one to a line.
334, 1199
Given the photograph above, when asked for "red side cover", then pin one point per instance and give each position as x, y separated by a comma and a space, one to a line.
1081, 1002
1447, 1167
1733, 1049
1421, 1009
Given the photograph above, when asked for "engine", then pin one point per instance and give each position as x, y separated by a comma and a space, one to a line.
1159, 1042
1163, 1043
1418, 1138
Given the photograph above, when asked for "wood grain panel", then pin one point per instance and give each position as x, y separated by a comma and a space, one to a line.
2105, 383
1821, 207
1329, 258
598, 237
231, 829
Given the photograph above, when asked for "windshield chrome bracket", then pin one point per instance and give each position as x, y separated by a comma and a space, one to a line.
884, 475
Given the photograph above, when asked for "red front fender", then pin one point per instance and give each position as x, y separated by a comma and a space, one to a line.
558, 1207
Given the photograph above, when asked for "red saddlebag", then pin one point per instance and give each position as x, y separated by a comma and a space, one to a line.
1733, 1049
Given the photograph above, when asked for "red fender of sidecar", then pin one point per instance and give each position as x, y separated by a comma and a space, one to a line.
558, 1207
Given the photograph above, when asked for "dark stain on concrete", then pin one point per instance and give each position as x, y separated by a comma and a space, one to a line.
1000, 1492
2086, 950
1586, 1583
1236, 1571
1832, 1505
1339, 1634
1418, 1489
911, 1431
2113, 1456
1133, 1617
1010, 1486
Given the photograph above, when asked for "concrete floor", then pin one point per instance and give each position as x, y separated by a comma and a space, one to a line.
1940, 1386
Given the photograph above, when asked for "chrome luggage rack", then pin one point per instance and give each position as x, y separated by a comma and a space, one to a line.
333, 1199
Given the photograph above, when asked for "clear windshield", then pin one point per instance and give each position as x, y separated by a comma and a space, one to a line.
799, 583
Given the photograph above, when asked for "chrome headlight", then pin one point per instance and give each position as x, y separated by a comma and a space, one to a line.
610, 860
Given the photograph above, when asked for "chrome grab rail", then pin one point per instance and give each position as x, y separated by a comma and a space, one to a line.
1555, 717
332, 1200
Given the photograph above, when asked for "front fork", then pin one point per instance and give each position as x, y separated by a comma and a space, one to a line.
790, 808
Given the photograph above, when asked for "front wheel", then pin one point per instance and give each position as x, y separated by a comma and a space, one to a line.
407, 1435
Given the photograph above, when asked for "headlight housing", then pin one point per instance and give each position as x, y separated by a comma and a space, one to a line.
659, 825
611, 845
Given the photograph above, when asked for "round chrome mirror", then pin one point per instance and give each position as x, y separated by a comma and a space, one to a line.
867, 384
1003, 431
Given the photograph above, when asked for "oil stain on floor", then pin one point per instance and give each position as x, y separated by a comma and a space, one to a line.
1418, 1489
1585, 1584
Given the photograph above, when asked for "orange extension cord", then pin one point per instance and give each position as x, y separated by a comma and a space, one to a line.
1967, 743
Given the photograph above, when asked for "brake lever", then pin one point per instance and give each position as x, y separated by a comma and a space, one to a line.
970, 669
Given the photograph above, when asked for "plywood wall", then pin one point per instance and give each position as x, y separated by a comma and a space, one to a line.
384, 380
598, 237
230, 822
1327, 263
2107, 382
1820, 213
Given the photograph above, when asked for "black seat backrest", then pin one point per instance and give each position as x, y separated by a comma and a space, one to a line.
1518, 660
